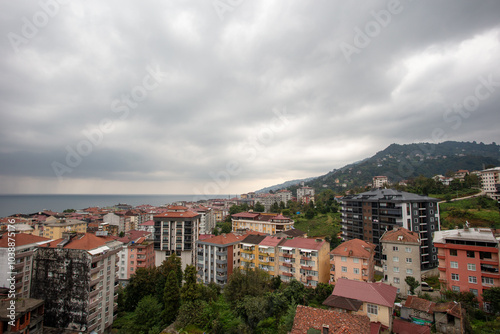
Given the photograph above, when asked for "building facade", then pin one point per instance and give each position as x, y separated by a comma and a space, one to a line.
490, 181
380, 181
468, 260
306, 260
401, 258
137, 252
55, 230
176, 231
76, 276
305, 192
261, 222
368, 215
353, 259
27, 319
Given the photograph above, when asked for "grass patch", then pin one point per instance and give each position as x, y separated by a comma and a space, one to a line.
433, 282
479, 212
321, 225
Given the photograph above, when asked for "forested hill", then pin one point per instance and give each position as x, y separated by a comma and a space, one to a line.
401, 162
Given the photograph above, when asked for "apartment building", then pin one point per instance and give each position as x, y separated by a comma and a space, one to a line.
490, 182
207, 219
379, 181
75, 275
401, 258
468, 260
267, 254
27, 319
261, 222
217, 257
176, 231
250, 251
305, 194
25, 245
56, 228
137, 252
353, 259
306, 260
368, 215
285, 195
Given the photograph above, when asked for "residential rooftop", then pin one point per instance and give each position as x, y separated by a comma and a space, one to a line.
388, 195
470, 234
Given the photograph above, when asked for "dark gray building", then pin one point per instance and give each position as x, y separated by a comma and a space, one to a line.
368, 215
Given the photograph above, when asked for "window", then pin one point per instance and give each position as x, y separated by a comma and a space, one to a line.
385, 267
473, 279
396, 269
395, 259
470, 254
455, 277
343, 259
487, 280
371, 309
455, 288
396, 280
453, 252
344, 269
356, 270
408, 249
409, 271
454, 264
474, 291
395, 248
409, 260
355, 260
471, 266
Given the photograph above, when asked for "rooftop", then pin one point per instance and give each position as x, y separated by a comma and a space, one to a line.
470, 234
271, 241
354, 248
420, 304
388, 195
177, 214
309, 317
87, 241
304, 243
375, 293
22, 239
223, 239
400, 234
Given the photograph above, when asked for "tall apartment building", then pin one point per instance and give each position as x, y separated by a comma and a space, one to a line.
55, 229
266, 255
285, 195
401, 258
468, 260
250, 251
207, 219
137, 252
75, 275
218, 257
176, 231
353, 259
305, 194
25, 245
490, 182
261, 222
379, 181
306, 260
368, 215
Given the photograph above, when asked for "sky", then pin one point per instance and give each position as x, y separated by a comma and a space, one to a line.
230, 96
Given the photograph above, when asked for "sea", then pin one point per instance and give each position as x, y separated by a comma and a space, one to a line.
27, 204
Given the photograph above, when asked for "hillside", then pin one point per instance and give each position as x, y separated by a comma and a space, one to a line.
400, 162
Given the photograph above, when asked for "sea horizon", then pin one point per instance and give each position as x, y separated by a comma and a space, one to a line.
11, 204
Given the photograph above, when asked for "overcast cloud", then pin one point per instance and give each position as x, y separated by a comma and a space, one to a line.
175, 95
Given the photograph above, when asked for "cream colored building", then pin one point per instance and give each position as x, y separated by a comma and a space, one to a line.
489, 179
55, 230
261, 222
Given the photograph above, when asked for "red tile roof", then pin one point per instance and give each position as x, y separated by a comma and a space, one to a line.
309, 317
87, 241
355, 248
177, 214
271, 241
404, 327
176, 207
419, 304
225, 238
375, 293
132, 235
148, 223
246, 215
21, 239
303, 243
400, 234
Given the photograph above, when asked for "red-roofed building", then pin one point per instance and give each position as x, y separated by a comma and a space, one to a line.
147, 226
306, 260
378, 298
176, 231
328, 321
25, 244
353, 259
75, 275
137, 252
261, 222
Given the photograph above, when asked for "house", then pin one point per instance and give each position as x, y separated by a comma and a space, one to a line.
450, 318
369, 214
401, 258
468, 260
375, 300
353, 259
418, 309
261, 222
306, 260
401, 326
313, 320
75, 275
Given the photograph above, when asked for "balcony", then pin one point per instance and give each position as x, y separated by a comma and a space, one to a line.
306, 258
306, 267
247, 250
288, 256
284, 273
246, 259
287, 264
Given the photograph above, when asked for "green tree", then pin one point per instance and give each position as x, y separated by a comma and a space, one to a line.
275, 208
147, 316
310, 213
492, 296
171, 298
412, 283
190, 290
258, 207
141, 284
170, 264
226, 228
